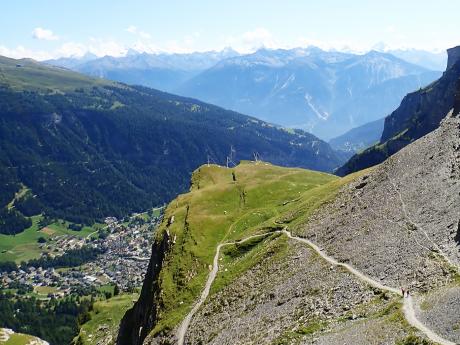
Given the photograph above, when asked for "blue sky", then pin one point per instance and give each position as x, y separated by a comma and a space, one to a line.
51, 28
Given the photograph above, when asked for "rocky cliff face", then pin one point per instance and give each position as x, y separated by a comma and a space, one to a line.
139, 320
453, 56
419, 113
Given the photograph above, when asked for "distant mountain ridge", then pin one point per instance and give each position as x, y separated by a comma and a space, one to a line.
162, 71
322, 92
326, 93
430, 60
420, 113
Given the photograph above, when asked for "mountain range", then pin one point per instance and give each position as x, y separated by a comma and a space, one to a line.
432, 60
160, 71
326, 93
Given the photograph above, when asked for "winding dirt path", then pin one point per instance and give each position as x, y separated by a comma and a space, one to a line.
408, 304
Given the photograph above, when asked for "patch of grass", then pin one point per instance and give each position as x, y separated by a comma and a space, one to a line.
311, 328
413, 340
44, 290
390, 309
106, 288
237, 259
295, 336
62, 228
24, 246
22, 191
35, 76
425, 305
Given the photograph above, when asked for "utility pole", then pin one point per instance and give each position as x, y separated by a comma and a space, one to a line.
230, 157
256, 157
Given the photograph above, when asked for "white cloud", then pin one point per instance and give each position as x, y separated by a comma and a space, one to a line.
21, 52
131, 29
44, 34
391, 29
96, 46
335, 45
102, 47
252, 40
71, 49
245, 42
135, 31
145, 47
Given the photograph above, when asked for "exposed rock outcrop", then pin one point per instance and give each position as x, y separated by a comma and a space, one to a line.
453, 56
285, 298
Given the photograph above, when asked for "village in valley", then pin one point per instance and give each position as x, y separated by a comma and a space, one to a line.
122, 251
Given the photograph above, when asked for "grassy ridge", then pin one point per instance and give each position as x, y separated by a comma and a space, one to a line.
28, 74
226, 205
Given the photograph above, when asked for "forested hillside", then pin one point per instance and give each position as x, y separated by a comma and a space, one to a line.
81, 149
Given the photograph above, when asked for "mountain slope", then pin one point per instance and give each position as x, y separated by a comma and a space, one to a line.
358, 138
88, 148
390, 224
325, 93
419, 113
430, 60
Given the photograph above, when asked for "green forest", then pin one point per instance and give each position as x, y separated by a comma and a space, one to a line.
56, 321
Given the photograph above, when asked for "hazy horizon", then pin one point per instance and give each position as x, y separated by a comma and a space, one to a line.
48, 30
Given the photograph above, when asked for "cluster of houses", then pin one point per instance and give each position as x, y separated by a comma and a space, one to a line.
124, 261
